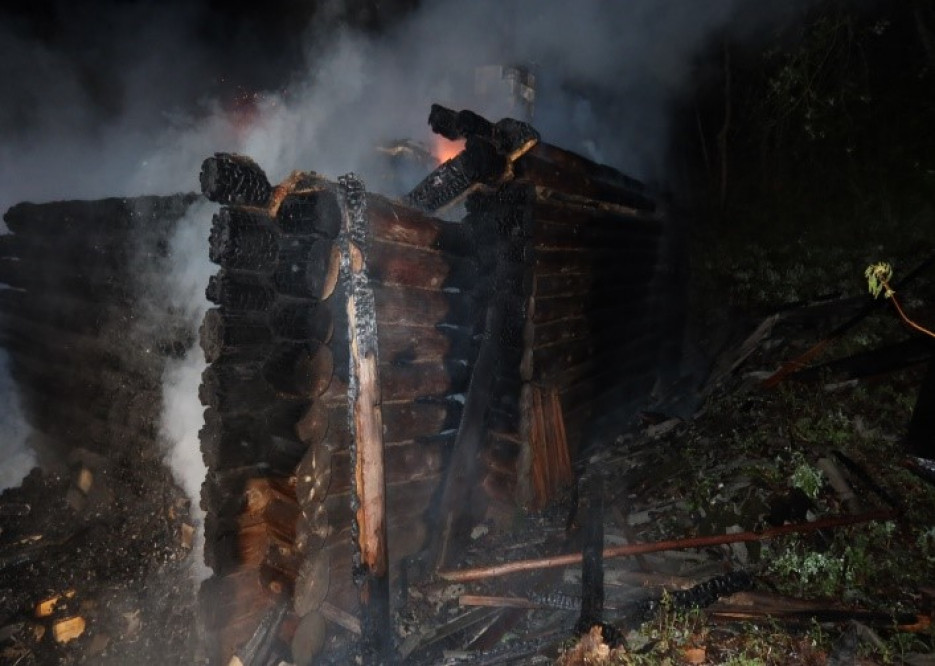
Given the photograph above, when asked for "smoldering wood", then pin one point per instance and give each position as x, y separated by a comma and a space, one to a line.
508, 135
479, 162
314, 213
454, 125
228, 178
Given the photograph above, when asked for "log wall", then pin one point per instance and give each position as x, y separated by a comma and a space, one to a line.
87, 333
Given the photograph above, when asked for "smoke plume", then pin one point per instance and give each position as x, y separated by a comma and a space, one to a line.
138, 112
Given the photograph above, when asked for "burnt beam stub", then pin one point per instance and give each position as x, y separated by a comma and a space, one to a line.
508, 135
479, 162
228, 178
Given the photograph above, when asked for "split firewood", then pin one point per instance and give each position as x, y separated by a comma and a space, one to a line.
68, 629
46, 607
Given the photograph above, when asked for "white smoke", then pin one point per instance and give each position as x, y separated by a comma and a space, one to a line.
17, 459
183, 414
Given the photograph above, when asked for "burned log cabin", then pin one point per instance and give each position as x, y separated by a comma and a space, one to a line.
383, 373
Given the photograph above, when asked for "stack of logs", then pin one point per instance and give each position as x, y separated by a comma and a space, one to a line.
87, 322
276, 435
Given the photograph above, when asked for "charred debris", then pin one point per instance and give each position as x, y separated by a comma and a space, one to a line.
409, 427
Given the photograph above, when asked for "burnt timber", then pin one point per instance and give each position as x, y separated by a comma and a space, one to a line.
498, 343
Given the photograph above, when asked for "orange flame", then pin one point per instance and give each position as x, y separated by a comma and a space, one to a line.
444, 150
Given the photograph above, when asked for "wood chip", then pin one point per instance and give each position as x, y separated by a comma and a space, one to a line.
68, 629
84, 480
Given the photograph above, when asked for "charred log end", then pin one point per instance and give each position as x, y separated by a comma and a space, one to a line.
312, 213
242, 240
444, 122
228, 178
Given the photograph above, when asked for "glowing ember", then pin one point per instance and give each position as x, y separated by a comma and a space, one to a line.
444, 150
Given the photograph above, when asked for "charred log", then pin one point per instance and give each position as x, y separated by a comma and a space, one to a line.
227, 178
310, 214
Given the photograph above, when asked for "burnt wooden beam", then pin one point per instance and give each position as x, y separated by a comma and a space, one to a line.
510, 136
629, 550
591, 517
365, 421
479, 162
